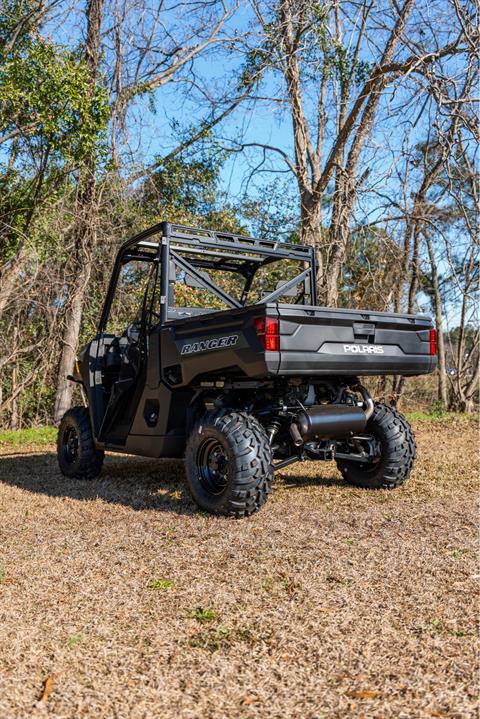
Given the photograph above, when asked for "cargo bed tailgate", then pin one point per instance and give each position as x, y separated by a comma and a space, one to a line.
322, 341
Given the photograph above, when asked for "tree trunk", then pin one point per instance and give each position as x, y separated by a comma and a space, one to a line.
413, 289
9, 276
465, 383
311, 234
339, 234
84, 232
11, 270
70, 337
403, 273
399, 385
14, 410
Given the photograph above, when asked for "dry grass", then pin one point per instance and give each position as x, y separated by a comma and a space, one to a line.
119, 599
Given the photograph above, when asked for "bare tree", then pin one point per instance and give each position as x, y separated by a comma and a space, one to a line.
316, 54
84, 230
447, 196
163, 49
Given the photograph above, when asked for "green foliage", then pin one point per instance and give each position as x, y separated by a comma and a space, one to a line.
256, 61
203, 615
346, 65
161, 584
75, 639
188, 186
441, 417
35, 436
15, 206
47, 94
28, 210
469, 336
16, 22
318, 52
186, 189
53, 118
273, 212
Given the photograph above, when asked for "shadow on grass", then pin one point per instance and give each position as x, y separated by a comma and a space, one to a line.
134, 482
309, 479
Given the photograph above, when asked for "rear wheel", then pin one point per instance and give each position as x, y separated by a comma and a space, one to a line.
396, 452
228, 464
76, 451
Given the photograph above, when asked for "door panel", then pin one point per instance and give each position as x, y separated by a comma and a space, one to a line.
121, 348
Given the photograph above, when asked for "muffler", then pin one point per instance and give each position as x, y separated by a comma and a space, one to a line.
327, 421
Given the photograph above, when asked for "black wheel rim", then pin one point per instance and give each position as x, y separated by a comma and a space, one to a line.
70, 445
212, 463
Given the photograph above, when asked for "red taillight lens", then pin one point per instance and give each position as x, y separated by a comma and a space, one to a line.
268, 331
272, 341
433, 342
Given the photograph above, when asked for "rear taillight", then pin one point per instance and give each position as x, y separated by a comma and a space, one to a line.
433, 342
269, 332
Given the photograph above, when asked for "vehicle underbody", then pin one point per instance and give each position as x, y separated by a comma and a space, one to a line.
319, 421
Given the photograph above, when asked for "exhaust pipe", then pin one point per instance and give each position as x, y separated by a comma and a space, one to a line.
368, 402
325, 421
332, 421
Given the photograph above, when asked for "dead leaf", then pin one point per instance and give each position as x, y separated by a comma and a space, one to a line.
47, 688
362, 694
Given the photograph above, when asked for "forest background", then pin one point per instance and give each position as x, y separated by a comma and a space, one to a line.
351, 126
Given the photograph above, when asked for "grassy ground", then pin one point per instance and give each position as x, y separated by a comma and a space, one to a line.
119, 599
35, 437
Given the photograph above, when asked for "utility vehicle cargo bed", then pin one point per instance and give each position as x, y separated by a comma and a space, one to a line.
309, 341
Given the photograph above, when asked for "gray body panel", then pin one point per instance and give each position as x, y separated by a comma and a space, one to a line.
321, 341
314, 342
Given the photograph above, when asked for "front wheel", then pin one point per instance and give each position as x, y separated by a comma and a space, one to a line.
228, 464
76, 452
395, 440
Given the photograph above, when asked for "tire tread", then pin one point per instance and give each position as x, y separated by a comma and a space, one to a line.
91, 458
252, 470
399, 452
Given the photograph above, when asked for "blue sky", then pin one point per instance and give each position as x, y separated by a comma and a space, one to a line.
150, 133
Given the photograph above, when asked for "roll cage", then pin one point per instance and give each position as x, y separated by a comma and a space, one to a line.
193, 250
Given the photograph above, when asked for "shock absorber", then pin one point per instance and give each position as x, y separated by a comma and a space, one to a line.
273, 428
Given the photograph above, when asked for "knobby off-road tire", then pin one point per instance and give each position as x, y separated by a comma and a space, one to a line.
228, 464
397, 452
77, 456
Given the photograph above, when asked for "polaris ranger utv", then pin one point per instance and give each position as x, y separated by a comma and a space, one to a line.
211, 347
